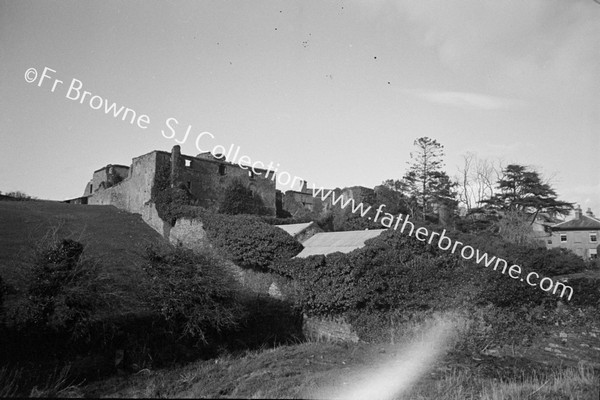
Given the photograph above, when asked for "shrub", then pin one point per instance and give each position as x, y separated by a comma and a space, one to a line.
391, 271
248, 241
194, 292
285, 221
65, 291
586, 291
500, 290
169, 202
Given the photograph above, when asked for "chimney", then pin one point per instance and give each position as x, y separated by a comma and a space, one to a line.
589, 212
304, 186
175, 160
578, 212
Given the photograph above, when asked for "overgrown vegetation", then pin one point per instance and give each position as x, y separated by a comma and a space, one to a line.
66, 293
395, 278
238, 199
248, 241
70, 313
194, 292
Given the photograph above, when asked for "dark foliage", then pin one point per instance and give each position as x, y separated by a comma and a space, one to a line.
391, 271
194, 292
238, 199
523, 189
64, 291
16, 196
248, 241
586, 291
394, 271
285, 221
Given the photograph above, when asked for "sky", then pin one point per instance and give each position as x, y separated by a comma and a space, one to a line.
334, 92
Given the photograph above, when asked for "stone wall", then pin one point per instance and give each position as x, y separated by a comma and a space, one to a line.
134, 192
189, 233
207, 179
328, 329
568, 346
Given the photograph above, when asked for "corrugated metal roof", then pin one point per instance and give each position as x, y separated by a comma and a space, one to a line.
583, 223
294, 229
330, 242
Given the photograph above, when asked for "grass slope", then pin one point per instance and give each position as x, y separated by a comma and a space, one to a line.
115, 237
312, 370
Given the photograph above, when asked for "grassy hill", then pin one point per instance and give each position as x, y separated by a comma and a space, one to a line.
117, 238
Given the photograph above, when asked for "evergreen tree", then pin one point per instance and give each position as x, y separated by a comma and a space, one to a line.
426, 181
522, 189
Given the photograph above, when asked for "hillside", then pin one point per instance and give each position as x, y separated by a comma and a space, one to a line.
115, 237
330, 370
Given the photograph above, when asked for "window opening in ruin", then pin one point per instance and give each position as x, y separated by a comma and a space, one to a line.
188, 163
221, 169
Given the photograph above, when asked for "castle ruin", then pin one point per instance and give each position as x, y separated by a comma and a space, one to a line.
205, 176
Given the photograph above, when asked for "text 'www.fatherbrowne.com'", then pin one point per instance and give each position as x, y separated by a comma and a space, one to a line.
444, 242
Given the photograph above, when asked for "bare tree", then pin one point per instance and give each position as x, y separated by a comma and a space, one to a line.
477, 180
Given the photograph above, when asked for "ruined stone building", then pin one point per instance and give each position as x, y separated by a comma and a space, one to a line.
205, 176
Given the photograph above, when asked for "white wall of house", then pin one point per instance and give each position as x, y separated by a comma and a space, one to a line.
583, 242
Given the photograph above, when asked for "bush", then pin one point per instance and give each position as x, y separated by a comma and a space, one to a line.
586, 291
285, 221
194, 292
248, 241
65, 291
169, 202
500, 290
391, 271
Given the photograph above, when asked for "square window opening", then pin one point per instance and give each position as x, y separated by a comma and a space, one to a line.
563, 237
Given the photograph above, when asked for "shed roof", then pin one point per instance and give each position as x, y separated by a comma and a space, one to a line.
330, 242
294, 229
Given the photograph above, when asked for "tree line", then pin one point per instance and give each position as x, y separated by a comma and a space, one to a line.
481, 186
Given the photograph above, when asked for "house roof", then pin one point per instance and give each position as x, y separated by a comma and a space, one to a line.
583, 223
294, 229
330, 242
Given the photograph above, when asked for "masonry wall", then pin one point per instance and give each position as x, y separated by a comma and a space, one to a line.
328, 329
134, 191
208, 179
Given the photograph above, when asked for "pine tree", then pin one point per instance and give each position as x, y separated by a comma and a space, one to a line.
425, 179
